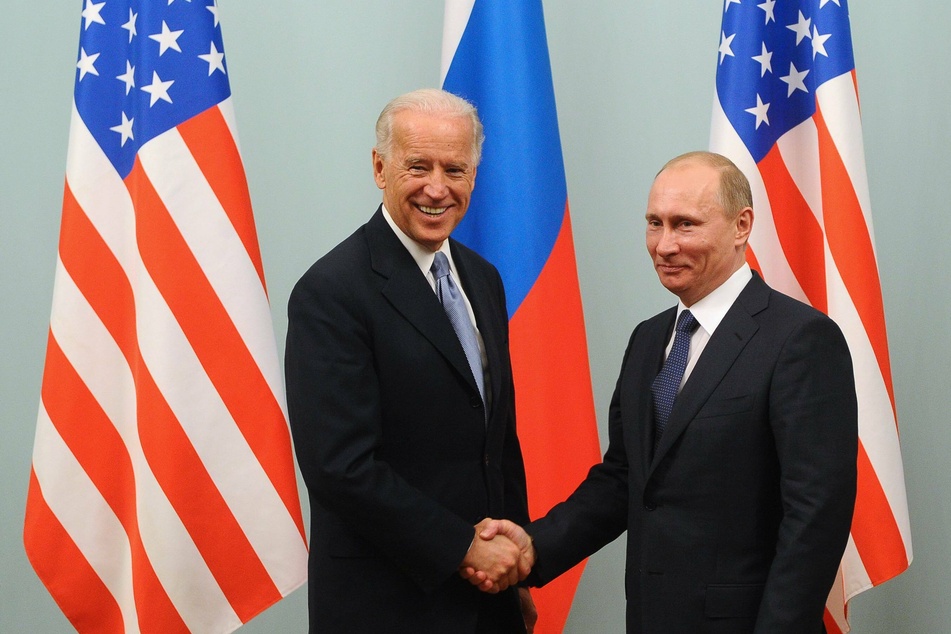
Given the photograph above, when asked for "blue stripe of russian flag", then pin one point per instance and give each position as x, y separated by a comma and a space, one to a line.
502, 66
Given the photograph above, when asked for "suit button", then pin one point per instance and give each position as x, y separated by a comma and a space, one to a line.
485, 459
475, 401
649, 506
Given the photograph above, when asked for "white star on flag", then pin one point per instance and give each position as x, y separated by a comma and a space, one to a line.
167, 39
158, 89
214, 11
725, 45
759, 110
765, 61
819, 42
130, 25
91, 13
128, 77
795, 79
801, 27
768, 7
215, 60
86, 64
124, 129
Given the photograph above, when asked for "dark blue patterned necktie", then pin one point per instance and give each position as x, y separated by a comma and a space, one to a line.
667, 383
455, 307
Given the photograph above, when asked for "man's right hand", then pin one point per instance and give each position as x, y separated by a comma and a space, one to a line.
490, 531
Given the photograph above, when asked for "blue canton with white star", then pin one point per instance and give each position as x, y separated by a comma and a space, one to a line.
773, 55
145, 66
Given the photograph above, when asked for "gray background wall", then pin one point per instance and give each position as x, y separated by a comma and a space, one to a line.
634, 86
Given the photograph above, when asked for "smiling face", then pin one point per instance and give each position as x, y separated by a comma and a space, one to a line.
428, 176
694, 243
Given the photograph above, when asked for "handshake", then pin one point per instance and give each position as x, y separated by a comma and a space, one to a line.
500, 556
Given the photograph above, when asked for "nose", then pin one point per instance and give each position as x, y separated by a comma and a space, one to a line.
437, 184
667, 243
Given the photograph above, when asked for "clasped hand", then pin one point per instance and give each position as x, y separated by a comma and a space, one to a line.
501, 555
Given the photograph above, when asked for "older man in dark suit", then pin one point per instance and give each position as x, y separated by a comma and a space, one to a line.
401, 400
733, 437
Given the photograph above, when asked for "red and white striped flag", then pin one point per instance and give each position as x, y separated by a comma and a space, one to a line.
787, 113
163, 496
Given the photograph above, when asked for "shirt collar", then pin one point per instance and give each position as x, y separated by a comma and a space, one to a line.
711, 310
423, 256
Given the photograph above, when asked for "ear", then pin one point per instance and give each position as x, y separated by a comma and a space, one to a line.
744, 225
378, 170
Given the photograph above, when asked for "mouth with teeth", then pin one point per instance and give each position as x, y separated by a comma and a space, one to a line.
432, 211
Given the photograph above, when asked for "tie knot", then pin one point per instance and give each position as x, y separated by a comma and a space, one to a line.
440, 267
686, 322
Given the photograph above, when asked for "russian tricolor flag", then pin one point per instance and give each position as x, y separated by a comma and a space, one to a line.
495, 54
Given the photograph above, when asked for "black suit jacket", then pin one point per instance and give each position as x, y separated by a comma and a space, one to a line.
392, 438
738, 521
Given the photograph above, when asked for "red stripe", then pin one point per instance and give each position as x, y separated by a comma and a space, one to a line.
876, 534
98, 275
177, 467
553, 383
99, 449
215, 340
61, 566
831, 626
799, 234
851, 247
211, 143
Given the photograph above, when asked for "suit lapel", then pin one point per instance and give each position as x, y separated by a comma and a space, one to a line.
410, 294
726, 344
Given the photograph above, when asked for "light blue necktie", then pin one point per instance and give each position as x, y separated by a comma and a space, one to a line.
667, 383
455, 307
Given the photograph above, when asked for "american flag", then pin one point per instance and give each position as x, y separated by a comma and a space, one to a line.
163, 496
787, 113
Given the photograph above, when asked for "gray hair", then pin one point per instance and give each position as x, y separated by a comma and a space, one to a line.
734, 193
430, 101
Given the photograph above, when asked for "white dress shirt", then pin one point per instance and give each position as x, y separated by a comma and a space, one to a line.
709, 312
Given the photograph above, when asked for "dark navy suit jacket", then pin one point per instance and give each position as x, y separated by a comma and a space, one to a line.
738, 521
392, 437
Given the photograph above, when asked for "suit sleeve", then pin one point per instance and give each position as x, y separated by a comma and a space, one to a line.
334, 406
813, 414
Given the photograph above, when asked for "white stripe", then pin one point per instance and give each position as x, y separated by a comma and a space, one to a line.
856, 579
226, 108
799, 149
840, 110
85, 516
454, 25
764, 240
212, 239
